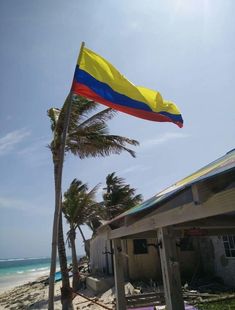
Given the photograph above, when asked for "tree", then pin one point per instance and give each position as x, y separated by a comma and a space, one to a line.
87, 136
78, 206
118, 196
95, 221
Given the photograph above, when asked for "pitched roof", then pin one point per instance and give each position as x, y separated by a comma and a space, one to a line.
219, 166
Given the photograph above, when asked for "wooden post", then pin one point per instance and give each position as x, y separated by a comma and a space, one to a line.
170, 270
118, 275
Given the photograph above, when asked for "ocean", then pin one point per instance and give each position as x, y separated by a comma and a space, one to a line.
17, 271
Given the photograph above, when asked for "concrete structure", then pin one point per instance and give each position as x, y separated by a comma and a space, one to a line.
215, 259
99, 285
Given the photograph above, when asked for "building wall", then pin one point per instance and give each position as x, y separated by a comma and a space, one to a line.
224, 266
143, 266
148, 266
136, 266
214, 260
100, 262
189, 263
207, 251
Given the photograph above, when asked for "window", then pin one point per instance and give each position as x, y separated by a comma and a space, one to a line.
229, 245
140, 246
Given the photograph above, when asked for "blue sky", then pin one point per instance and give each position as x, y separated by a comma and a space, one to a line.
182, 48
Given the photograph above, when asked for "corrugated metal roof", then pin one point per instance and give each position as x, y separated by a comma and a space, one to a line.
219, 166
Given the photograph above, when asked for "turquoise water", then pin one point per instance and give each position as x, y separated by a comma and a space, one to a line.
17, 271
16, 266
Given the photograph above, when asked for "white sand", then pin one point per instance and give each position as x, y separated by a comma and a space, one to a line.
34, 295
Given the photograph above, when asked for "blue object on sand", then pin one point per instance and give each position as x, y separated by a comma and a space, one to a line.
58, 277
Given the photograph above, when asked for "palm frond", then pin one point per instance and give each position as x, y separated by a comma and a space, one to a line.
87, 136
53, 114
79, 203
84, 106
93, 144
118, 196
101, 116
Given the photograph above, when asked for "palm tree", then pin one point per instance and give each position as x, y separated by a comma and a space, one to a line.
87, 136
118, 196
78, 206
98, 216
59, 126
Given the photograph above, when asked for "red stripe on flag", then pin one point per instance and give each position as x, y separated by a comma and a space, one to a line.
85, 91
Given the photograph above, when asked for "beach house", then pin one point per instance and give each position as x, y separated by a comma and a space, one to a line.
188, 226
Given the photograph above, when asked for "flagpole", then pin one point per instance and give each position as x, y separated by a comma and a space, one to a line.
57, 211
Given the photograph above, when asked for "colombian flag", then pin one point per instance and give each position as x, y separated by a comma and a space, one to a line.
96, 79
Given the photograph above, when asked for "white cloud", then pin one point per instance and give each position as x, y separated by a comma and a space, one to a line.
11, 139
22, 205
10, 203
162, 139
99, 193
136, 168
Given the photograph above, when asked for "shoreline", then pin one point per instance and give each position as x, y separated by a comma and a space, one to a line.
11, 281
19, 271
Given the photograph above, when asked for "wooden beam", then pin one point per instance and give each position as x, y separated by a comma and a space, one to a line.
195, 194
180, 233
215, 225
170, 269
143, 235
119, 275
221, 221
220, 203
218, 232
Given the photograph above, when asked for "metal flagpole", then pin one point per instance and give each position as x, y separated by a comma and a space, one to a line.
68, 106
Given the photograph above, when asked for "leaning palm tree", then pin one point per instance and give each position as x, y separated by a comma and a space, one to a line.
78, 206
97, 218
87, 136
118, 196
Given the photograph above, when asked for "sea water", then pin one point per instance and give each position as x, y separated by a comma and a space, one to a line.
17, 271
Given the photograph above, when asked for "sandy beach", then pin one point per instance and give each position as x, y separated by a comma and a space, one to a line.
10, 282
34, 295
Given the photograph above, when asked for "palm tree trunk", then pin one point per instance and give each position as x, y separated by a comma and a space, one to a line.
58, 159
86, 245
55, 233
66, 291
72, 236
